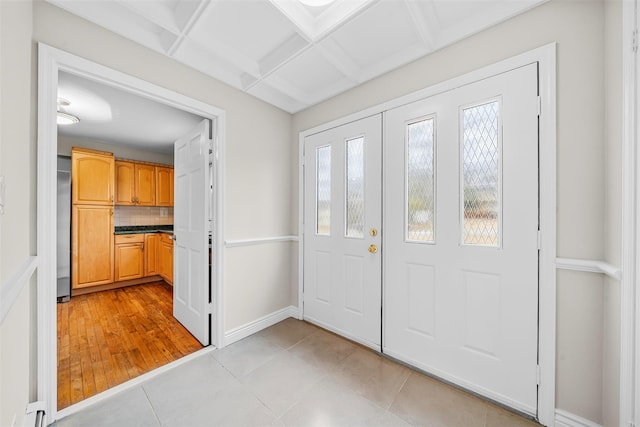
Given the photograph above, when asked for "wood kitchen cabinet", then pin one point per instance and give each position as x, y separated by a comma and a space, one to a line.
166, 257
135, 183
151, 254
92, 256
129, 256
92, 177
164, 186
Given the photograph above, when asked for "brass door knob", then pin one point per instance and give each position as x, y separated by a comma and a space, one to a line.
373, 249
373, 232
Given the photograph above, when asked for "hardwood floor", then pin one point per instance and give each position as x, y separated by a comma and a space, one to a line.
106, 338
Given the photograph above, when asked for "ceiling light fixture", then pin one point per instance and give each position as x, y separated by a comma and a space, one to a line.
63, 117
316, 3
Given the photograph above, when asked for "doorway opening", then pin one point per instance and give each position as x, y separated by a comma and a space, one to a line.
115, 294
56, 68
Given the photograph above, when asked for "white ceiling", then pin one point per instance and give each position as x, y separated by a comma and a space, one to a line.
115, 116
290, 55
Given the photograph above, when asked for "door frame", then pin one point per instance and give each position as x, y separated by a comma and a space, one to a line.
545, 57
50, 61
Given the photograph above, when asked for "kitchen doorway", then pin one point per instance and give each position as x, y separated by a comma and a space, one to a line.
51, 62
119, 315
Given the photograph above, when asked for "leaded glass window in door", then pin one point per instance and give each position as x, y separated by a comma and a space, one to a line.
354, 203
481, 174
420, 189
323, 191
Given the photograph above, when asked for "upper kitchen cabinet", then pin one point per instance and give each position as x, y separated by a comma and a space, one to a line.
135, 184
164, 186
92, 177
125, 183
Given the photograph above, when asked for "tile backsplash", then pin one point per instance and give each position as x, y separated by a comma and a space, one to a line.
142, 215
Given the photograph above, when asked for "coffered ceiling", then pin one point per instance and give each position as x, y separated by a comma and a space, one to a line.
289, 54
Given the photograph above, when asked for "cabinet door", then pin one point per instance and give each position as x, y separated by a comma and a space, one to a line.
92, 177
166, 261
164, 186
145, 184
125, 183
129, 261
151, 254
91, 245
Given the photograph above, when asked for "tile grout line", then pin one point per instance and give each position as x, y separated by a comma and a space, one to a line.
153, 409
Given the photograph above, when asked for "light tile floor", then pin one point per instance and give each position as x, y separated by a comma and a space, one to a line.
293, 374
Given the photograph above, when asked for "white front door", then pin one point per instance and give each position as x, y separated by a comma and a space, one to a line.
191, 232
342, 219
461, 236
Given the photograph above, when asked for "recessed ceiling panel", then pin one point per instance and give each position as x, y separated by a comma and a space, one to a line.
380, 32
252, 28
306, 74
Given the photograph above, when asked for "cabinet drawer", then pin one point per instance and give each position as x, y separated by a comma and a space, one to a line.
129, 238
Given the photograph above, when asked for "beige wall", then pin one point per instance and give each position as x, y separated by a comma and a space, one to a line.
17, 224
578, 28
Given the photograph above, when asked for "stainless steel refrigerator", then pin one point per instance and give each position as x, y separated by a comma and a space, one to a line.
64, 229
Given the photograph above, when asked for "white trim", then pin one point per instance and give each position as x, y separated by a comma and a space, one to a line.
567, 419
12, 288
236, 334
90, 401
589, 265
259, 241
545, 57
629, 340
50, 61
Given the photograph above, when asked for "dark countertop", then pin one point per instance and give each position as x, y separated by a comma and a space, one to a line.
140, 229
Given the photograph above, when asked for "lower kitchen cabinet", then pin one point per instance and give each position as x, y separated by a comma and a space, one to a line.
166, 257
151, 254
92, 256
129, 256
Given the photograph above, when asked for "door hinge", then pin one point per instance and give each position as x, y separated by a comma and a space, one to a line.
210, 308
539, 240
539, 106
538, 375
634, 40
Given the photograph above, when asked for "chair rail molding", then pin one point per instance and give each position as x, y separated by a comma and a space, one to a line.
589, 265
13, 286
259, 241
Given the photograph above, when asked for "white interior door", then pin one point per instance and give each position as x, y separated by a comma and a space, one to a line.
342, 218
191, 232
461, 236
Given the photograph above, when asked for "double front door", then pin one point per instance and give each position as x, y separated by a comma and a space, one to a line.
427, 249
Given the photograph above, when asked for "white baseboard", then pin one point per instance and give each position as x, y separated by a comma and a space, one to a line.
567, 419
257, 325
